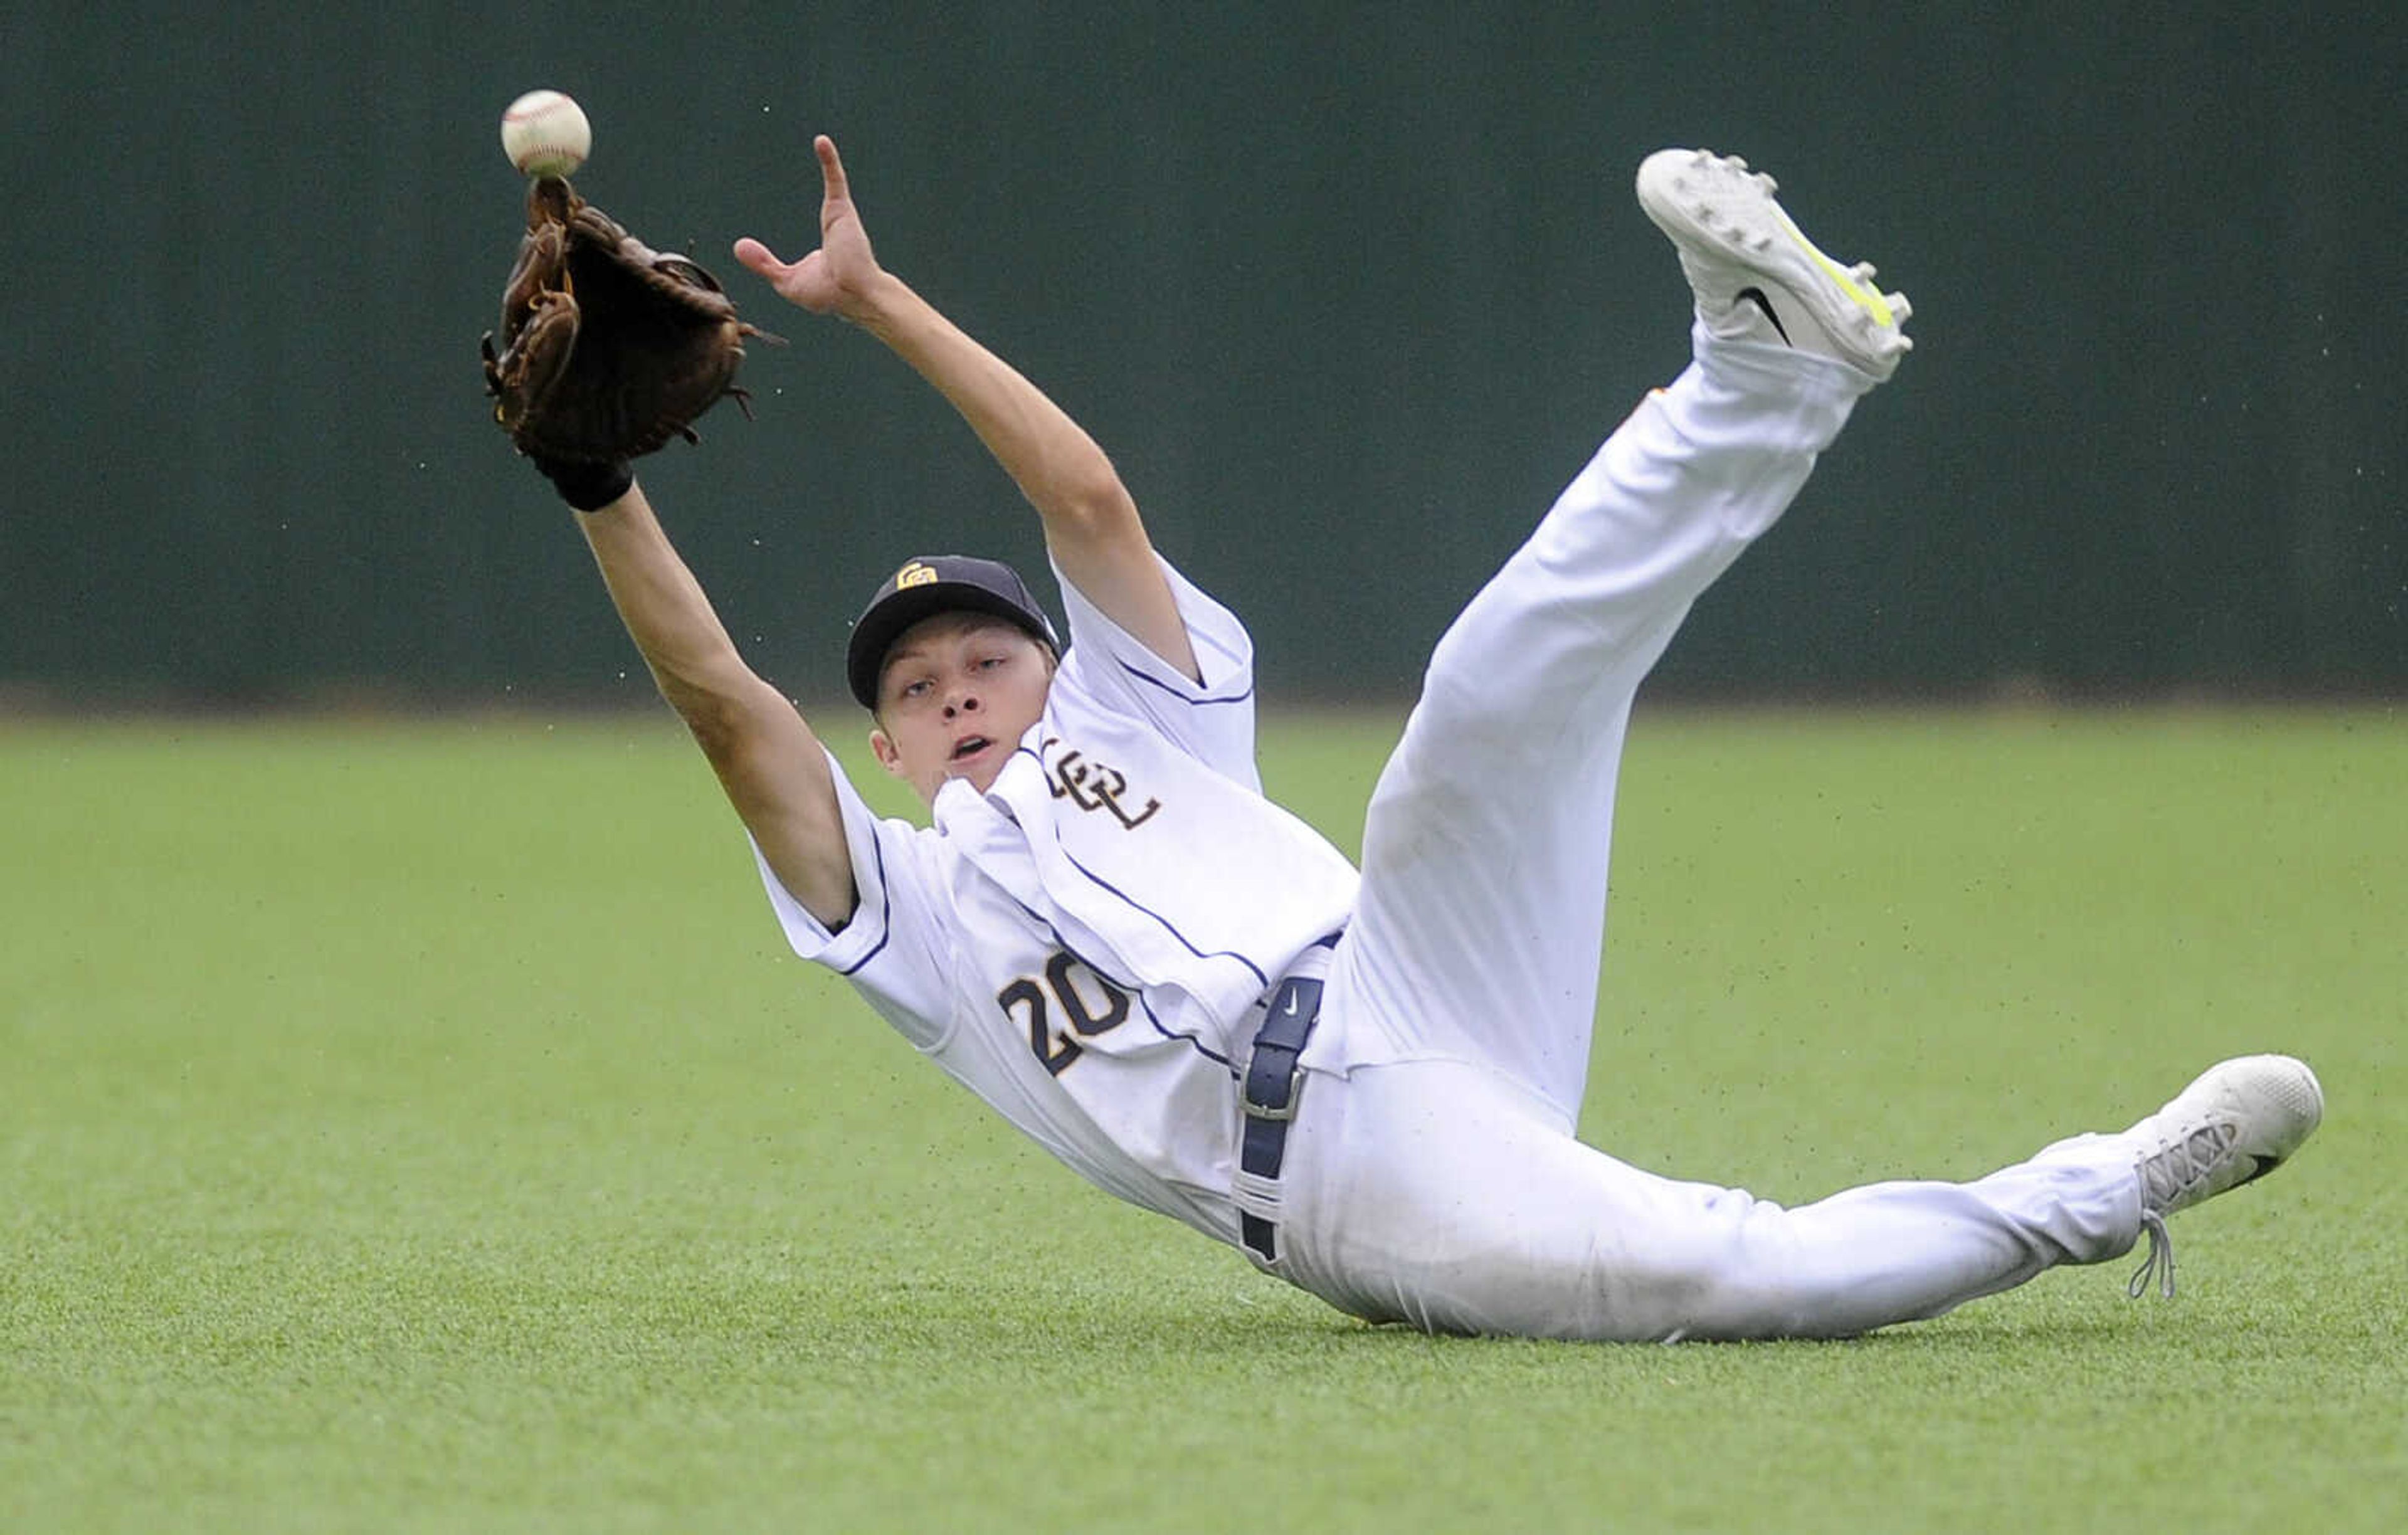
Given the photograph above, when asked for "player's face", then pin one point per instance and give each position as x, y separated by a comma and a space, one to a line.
958, 692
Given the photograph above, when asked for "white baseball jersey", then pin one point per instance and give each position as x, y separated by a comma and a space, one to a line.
1086, 945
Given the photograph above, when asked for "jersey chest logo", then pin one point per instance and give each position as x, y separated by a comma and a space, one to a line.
1093, 786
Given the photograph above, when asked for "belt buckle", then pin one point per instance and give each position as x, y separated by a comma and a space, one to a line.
1284, 1112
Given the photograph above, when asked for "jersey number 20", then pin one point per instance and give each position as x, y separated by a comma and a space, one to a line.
1060, 1013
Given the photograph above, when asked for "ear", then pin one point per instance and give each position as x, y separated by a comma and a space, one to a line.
884, 749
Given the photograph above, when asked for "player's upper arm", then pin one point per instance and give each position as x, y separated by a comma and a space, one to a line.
1101, 548
777, 777
901, 949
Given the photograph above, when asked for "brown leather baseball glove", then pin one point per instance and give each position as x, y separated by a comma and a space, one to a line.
608, 347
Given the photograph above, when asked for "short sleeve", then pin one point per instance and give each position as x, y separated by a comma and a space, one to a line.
1212, 720
892, 947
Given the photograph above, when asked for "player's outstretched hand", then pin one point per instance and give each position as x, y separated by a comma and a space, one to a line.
840, 275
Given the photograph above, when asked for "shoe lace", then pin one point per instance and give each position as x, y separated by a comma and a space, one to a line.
2160, 1261
2169, 1176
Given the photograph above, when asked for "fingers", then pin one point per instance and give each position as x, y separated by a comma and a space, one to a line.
759, 258
831, 170
817, 281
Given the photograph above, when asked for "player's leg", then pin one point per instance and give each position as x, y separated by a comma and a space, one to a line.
1486, 844
1430, 1194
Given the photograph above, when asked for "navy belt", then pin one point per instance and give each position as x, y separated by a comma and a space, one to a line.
1274, 1080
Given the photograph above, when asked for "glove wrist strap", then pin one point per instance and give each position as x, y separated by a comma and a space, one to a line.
588, 486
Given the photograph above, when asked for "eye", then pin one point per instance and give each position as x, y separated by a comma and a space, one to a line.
916, 689
991, 663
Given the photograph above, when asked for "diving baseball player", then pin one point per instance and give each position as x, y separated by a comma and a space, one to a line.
1367, 1081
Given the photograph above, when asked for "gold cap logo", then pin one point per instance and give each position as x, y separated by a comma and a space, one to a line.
914, 574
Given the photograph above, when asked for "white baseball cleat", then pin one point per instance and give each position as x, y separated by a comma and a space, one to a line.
2239, 1121
1757, 276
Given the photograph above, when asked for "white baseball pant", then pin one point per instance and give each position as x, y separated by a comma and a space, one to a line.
1445, 1187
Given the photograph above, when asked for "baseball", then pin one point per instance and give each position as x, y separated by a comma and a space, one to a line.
545, 133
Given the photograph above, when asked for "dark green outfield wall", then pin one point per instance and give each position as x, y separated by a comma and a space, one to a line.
1348, 291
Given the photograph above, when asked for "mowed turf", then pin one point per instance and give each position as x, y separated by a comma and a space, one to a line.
424, 1128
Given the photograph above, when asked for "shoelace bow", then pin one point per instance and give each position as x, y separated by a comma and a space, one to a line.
2166, 1179
2160, 1261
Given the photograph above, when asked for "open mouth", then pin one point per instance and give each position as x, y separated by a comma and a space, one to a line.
970, 746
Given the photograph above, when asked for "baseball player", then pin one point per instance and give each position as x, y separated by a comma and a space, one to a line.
1367, 1082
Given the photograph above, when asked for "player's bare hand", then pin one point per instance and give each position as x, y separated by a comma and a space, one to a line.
840, 277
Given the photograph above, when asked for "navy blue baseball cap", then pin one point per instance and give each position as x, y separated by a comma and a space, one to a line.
927, 585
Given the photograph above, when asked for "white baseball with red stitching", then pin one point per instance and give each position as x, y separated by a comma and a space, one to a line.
545, 133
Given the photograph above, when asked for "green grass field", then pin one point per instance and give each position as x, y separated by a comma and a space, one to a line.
424, 1128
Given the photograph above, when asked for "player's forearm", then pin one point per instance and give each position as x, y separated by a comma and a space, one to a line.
767, 759
668, 614
1092, 528
1062, 471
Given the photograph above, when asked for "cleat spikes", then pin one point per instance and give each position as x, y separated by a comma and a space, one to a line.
1746, 260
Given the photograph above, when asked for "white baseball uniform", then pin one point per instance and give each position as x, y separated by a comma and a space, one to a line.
1091, 944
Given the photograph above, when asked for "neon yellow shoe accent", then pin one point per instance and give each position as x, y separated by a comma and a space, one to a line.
1868, 299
